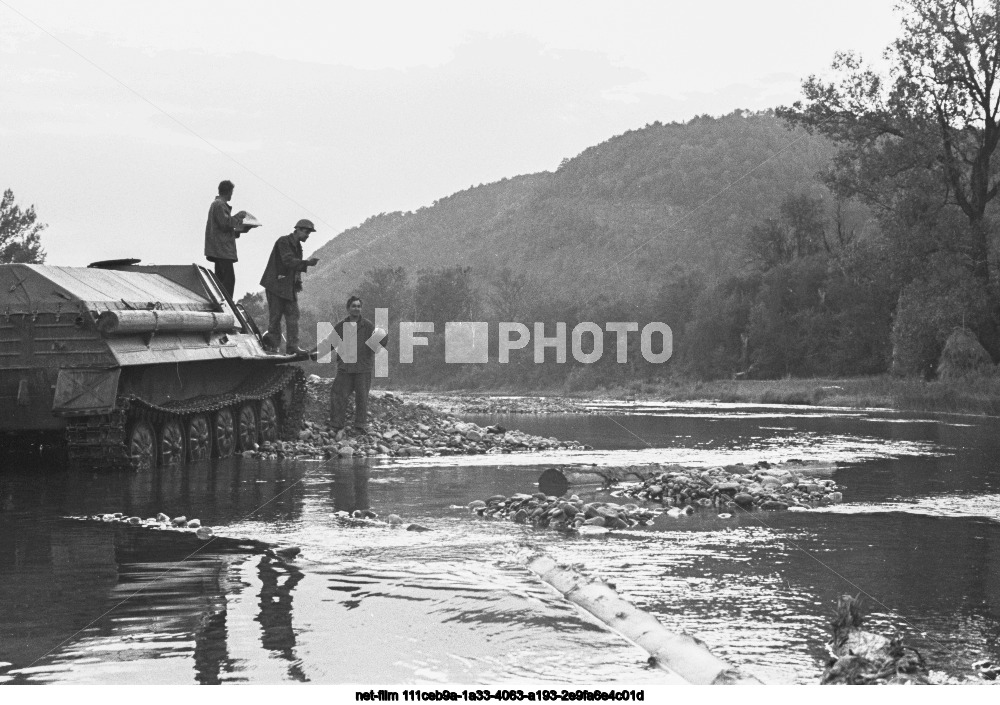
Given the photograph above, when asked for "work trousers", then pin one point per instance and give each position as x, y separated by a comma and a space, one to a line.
226, 275
343, 385
278, 308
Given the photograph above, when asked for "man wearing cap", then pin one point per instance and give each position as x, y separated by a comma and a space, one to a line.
282, 281
221, 232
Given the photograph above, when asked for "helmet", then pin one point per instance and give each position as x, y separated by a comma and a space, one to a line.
307, 224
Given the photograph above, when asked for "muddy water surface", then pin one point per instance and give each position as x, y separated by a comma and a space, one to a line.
919, 535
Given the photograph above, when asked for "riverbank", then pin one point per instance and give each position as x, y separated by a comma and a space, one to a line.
980, 396
397, 428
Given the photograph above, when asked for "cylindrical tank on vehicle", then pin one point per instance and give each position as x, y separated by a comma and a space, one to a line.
133, 322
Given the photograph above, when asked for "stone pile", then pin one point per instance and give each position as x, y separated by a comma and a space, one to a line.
758, 487
543, 511
160, 521
487, 404
366, 517
397, 429
181, 533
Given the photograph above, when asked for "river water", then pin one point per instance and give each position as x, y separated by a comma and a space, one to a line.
918, 536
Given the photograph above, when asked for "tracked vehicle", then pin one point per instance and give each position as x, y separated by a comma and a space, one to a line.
123, 365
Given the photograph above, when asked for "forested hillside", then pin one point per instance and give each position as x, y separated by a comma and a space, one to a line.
608, 223
771, 246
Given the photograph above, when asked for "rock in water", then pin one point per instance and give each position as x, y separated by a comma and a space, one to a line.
163, 518
194, 524
416, 527
289, 552
204, 533
180, 521
864, 658
586, 530
553, 482
394, 520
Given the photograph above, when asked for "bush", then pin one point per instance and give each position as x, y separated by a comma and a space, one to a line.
929, 309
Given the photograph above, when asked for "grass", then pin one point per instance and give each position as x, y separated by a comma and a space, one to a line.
973, 395
970, 395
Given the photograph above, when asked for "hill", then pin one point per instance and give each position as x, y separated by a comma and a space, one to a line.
607, 223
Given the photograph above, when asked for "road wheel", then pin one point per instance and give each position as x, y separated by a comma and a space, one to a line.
246, 428
223, 433
170, 444
141, 445
199, 438
268, 421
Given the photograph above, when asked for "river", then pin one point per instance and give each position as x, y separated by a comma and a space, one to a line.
918, 537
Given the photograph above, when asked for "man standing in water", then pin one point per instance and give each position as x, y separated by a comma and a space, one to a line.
221, 232
282, 281
353, 376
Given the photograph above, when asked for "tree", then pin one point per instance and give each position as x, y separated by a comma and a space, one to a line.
508, 294
799, 232
386, 287
256, 307
20, 233
932, 124
447, 294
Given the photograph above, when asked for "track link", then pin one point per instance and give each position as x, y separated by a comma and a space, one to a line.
100, 440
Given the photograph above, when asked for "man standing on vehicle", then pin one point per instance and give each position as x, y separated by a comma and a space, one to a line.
282, 281
353, 376
221, 232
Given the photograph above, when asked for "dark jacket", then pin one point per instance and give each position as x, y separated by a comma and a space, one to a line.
221, 231
283, 275
366, 356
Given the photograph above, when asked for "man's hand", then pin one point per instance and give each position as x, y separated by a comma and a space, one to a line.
312, 262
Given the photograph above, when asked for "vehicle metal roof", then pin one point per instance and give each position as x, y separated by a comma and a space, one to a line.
31, 285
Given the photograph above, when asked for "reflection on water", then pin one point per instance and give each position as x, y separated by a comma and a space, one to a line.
919, 536
350, 489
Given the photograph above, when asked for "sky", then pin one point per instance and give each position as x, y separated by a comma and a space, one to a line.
119, 119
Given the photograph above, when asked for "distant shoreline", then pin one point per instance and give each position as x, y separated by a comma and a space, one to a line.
977, 396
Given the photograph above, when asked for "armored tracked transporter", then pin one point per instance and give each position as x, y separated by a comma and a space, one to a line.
128, 365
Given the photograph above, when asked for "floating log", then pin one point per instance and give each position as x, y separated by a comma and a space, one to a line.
686, 659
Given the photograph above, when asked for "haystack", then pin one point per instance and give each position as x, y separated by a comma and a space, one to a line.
963, 355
